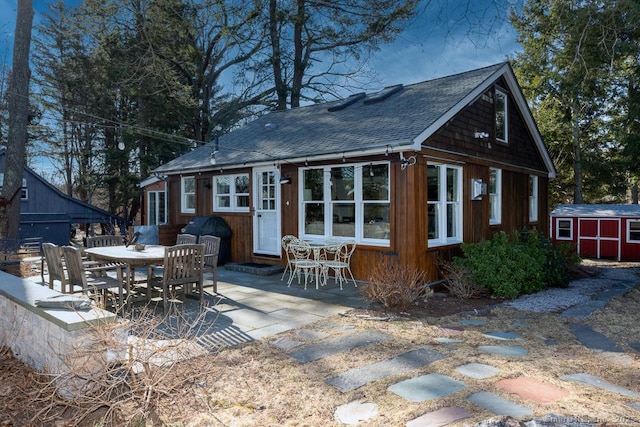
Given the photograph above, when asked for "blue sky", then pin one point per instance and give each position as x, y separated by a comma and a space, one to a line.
446, 37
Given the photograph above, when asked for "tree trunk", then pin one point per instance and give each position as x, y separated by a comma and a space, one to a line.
577, 155
276, 56
18, 96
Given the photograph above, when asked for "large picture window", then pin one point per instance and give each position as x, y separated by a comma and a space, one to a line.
502, 125
231, 193
188, 192
495, 196
349, 201
157, 207
444, 204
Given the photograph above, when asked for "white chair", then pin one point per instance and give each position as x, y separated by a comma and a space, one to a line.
303, 262
341, 264
286, 240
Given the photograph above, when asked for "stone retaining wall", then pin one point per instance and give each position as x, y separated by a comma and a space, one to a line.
45, 339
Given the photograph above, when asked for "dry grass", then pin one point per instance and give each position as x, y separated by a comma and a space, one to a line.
259, 384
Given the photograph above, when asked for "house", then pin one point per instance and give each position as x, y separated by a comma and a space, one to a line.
599, 231
410, 170
47, 212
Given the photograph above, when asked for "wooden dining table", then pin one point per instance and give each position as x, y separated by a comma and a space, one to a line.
131, 257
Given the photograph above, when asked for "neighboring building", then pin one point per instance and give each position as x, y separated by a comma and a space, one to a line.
47, 212
599, 231
412, 170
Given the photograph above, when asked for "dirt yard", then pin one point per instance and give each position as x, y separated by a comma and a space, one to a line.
258, 384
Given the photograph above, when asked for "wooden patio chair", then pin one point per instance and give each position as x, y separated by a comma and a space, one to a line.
98, 287
341, 265
183, 267
211, 252
186, 239
106, 240
55, 266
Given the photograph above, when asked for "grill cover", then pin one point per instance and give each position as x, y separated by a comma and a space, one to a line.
212, 226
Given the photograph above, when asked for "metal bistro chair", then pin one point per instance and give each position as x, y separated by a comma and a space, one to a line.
286, 240
183, 267
55, 266
186, 239
96, 287
341, 265
304, 262
211, 252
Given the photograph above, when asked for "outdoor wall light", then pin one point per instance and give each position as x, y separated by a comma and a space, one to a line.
482, 135
285, 180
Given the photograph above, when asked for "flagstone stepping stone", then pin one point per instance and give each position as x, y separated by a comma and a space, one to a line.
583, 310
592, 339
451, 330
441, 417
635, 346
635, 405
532, 389
504, 350
354, 412
337, 345
477, 370
496, 404
309, 335
443, 340
600, 383
426, 387
474, 322
503, 335
400, 364
286, 343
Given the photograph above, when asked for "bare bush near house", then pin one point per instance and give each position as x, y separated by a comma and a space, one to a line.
394, 285
458, 281
121, 371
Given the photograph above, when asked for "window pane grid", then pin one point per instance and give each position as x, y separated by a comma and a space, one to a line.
231, 193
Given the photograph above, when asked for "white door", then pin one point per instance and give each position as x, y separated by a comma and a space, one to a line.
266, 219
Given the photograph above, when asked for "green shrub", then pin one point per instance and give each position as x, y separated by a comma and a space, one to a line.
512, 265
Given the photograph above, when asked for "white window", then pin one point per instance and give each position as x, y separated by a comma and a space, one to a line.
231, 193
564, 229
502, 125
444, 204
495, 196
633, 230
157, 207
350, 201
24, 192
188, 191
533, 198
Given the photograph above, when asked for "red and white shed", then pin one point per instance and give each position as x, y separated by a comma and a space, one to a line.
599, 231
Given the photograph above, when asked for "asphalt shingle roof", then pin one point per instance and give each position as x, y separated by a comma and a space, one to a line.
310, 131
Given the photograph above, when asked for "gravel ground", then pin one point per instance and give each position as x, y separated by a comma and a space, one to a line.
581, 290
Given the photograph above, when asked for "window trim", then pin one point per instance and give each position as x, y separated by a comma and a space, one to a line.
183, 195
504, 138
328, 203
533, 198
557, 236
157, 213
629, 221
444, 240
498, 195
233, 201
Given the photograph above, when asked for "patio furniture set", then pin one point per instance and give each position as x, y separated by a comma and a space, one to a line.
106, 269
315, 261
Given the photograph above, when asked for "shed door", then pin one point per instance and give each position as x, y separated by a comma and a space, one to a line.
599, 237
266, 220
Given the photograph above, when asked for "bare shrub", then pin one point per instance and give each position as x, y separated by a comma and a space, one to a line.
119, 372
458, 281
394, 285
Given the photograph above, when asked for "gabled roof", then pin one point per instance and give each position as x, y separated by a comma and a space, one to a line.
398, 118
597, 210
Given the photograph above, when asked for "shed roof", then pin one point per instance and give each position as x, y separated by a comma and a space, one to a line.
596, 210
397, 118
